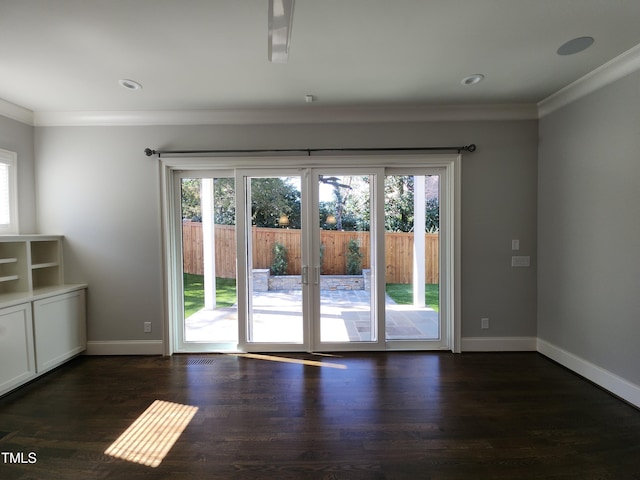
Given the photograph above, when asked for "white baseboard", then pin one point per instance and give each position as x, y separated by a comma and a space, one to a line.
604, 378
125, 347
499, 344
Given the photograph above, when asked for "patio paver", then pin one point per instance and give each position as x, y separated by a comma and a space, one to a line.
345, 318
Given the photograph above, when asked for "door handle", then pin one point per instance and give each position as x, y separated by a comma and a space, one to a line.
316, 276
305, 275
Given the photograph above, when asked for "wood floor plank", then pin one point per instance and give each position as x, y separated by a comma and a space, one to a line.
390, 416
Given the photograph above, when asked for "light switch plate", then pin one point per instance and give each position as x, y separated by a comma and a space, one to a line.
520, 261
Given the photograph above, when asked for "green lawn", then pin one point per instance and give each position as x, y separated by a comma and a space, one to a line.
402, 293
194, 293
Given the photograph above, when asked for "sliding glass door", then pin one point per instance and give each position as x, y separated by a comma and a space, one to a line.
414, 229
345, 261
207, 226
272, 246
315, 258
308, 283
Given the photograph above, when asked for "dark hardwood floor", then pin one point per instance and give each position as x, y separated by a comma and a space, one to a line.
361, 416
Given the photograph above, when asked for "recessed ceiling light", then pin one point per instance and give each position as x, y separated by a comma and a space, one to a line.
129, 84
473, 79
575, 45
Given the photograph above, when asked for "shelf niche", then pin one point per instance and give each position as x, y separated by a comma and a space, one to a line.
14, 269
29, 263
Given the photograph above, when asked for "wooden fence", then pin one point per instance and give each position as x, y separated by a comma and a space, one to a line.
398, 251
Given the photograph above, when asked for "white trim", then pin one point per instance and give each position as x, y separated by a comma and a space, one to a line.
615, 69
604, 378
10, 159
16, 112
499, 344
279, 116
125, 347
170, 264
451, 163
455, 194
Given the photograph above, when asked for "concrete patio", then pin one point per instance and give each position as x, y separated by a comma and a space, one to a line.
345, 317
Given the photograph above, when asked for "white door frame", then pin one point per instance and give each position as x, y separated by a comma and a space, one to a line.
446, 234
170, 244
377, 259
243, 244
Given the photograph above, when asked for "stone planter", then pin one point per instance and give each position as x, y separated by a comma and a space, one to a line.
263, 281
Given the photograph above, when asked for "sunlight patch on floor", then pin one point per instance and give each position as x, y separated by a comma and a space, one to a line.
150, 437
300, 361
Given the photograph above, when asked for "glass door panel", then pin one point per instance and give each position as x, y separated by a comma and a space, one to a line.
274, 260
210, 309
342, 277
412, 258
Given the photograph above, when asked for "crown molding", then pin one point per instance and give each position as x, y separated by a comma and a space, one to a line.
626, 63
16, 112
311, 115
613, 70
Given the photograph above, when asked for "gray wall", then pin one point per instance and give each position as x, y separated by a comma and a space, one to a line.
589, 228
98, 188
18, 137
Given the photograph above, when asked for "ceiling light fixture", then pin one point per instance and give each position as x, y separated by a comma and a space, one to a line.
575, 45
473, 79
280, 22
129, 84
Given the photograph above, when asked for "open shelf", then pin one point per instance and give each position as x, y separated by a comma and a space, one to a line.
44, 252
44, 265
29, 262
13, 267
9, 278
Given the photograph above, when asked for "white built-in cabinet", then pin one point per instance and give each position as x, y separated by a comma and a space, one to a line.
42, 319
17, 361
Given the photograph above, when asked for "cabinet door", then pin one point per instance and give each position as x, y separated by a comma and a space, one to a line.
59, 329
17, 364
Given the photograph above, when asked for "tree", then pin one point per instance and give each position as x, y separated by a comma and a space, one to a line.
398, 207
350, 203
350, 206
433, 216
272, 197
224, 201
190, 199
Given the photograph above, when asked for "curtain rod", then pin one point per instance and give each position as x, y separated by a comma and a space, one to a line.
465, 148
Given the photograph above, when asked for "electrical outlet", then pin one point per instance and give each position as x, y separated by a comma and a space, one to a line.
484, 323
147, 327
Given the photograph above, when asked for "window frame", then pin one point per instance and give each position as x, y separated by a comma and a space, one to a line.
10, 159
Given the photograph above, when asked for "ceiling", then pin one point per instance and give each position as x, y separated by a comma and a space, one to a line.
68, 55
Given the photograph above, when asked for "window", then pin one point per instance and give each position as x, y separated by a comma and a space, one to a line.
8, 193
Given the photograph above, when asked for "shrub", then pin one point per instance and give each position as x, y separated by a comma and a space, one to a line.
354, 258
280, 264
